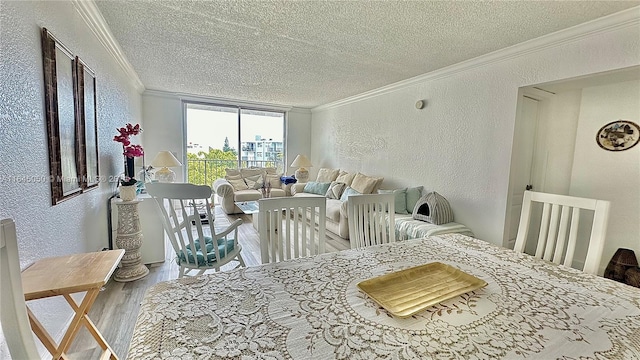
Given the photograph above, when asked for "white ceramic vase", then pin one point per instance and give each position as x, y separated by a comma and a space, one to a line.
128, 192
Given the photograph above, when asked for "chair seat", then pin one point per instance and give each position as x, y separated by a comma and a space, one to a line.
211, 254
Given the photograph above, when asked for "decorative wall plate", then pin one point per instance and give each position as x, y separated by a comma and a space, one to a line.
618, 135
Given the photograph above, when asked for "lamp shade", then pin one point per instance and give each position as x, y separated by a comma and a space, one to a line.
165, 159
301, 161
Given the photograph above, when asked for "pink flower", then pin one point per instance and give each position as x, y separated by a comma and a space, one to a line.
133, 151
133, 130
123, 137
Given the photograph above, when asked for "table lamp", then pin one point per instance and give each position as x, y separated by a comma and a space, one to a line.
165, 160
300, 162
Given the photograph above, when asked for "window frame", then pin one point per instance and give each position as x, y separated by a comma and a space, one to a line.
239, 107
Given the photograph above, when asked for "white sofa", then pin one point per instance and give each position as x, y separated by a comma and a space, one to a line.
337, 222
227, 195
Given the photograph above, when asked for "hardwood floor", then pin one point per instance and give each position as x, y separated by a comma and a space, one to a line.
117, 306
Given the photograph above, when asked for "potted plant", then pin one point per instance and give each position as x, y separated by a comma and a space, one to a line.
128, 188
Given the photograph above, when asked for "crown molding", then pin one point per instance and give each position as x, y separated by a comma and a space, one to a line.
616, 21
300, 110
215, 100
305, 111
94, 19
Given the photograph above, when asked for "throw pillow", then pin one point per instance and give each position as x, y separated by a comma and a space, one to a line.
273, 180
248, 172
270, 171
345, 177
413, 195
254, 182
433, 208
233, 177
364, 184
238, 184
314, 187
327, 175
335, 190
348, 191
400, 199
232, 172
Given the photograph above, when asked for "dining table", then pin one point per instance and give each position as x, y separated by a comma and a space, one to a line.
312, 308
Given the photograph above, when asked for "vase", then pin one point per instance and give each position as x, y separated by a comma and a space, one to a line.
128, 192
621, 261
130, 168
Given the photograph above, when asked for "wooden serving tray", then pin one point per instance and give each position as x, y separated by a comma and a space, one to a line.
404, 293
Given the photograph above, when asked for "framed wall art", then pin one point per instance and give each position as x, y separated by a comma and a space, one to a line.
87, 125
618, 135
60, 85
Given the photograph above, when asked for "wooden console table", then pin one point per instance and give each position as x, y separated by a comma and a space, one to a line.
66, 275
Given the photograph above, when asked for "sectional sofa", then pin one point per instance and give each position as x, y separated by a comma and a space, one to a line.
336, 185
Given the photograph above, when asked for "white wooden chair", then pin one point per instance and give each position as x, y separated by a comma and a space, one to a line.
553, 243
291, 227
371, 219
13, 310
188, 219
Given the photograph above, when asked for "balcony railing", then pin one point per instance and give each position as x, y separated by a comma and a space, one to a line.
205, 171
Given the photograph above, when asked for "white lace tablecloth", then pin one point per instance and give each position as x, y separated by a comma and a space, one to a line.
311, 309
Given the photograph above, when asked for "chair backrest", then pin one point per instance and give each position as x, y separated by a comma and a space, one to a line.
371, 219
13, 310
291, 227
186, 212
553, 242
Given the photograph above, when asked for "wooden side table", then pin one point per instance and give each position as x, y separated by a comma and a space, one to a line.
129, 238
63, 276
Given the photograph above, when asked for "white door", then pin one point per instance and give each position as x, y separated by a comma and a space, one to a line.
524, 143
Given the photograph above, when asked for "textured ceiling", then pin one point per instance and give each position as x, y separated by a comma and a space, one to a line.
309, 53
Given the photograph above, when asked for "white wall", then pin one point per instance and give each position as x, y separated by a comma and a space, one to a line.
613, 176
556, 142
163, 126
298, 137
163, 129
460, 143
78, 224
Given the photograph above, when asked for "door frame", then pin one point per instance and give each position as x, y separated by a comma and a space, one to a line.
536, 172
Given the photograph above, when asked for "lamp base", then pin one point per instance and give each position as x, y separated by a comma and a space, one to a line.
165, 175
302, 175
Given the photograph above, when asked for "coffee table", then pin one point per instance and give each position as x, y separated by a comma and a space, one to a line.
251, 208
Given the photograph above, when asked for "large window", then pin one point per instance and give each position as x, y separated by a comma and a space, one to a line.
220, 137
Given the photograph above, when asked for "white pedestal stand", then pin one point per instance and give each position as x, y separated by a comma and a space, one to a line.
129, 238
